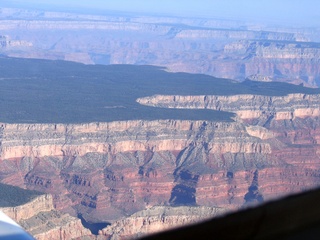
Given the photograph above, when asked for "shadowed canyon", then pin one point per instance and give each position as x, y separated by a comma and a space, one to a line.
221, 144
143, 123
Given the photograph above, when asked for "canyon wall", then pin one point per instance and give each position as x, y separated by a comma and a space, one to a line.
111, 171
25, 211
105, 171
156, 219
245, 106
39, 218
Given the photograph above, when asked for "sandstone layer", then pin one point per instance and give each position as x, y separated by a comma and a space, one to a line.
245, 106
105, 171
25, 211
39, 218
156, 219
54, 225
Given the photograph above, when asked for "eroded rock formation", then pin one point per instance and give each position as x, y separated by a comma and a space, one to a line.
156, 219
105, 171
245, 106
109, 170
39, 218
221, 48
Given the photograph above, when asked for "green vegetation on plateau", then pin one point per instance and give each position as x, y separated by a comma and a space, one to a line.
43, 91
11, 196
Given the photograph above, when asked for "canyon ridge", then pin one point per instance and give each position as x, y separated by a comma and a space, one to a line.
141, 123
221, 145
218, 47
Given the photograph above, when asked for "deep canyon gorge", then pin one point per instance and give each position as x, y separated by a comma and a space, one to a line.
218, 47
108, 171
110, 139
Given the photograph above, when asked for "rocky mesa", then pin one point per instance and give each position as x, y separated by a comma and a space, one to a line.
154, 139
156, 219
108, 170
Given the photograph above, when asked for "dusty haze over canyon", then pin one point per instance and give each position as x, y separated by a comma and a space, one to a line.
243, 144
228, 117
218, 47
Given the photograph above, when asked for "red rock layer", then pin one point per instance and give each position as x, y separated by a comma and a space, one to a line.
108, 170
214, 166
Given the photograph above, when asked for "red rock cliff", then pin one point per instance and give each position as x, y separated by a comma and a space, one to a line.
109, 170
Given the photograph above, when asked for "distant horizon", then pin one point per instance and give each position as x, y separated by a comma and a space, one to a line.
287, 12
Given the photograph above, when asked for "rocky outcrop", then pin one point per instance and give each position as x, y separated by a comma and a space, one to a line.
39, 204
182, 162
39, 218
54, 225
276, 60
156, 219
113, 167
245, 106
41, 140
108, 170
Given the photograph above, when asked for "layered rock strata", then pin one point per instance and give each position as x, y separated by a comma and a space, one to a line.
109, 170
39, 218
54, 225
228, 49
156, 219
25, 211
245, 106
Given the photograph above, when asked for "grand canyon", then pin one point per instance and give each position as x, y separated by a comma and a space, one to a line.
218, 47
227, 120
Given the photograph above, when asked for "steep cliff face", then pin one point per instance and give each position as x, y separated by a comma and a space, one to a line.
245, 106
71, 140
108, 170
283, 61
39, 218
54, 225
156, 219
25, 211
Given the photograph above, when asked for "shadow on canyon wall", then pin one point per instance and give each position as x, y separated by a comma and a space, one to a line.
294, 217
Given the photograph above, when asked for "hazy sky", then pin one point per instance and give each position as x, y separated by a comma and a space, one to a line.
294, 11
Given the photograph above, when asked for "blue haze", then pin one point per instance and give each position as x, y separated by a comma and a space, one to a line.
294, 12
